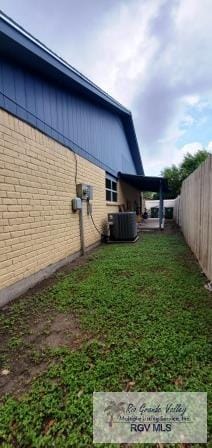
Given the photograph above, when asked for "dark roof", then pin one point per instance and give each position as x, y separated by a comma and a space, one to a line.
17, 43
145, 183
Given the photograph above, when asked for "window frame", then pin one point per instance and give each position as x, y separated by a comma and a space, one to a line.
111, 188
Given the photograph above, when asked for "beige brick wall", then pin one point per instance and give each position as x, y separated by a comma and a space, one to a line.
37, 184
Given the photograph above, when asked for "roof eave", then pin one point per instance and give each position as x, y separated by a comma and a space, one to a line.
17, 34
39, 56
145, 183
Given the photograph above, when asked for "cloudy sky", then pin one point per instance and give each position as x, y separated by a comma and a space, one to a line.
154, 56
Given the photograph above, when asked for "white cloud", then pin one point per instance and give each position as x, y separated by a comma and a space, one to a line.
156, 59
192, 148
209, 147
124, 50
191, 100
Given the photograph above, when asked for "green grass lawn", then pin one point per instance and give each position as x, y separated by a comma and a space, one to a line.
146, 311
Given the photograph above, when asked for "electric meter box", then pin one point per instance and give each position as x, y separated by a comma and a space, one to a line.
90, 192
76, 204
85, 191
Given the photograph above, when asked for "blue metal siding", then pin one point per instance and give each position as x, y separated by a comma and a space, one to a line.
91, 130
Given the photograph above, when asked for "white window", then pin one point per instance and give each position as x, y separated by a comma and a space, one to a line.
111, 188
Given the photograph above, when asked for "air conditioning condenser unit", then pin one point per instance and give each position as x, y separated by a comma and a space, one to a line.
122, 226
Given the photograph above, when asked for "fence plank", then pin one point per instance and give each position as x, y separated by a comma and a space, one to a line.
193, 212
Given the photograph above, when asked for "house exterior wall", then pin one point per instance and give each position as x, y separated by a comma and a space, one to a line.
37, 184
93, 131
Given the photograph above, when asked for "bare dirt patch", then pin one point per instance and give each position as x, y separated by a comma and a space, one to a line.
20, 377
27, 342
171, 227
33, 356
125, 274
61, 331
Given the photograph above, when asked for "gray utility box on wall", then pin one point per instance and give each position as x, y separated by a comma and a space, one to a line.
122, 226
85, 191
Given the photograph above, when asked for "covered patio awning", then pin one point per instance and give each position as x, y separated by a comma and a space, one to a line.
145, 183
148, 183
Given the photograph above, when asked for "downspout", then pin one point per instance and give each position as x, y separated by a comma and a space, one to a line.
81, 218
81, 223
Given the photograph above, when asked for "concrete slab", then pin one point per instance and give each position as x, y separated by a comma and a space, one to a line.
150, 224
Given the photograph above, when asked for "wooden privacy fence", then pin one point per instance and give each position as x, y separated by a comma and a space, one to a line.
193, 212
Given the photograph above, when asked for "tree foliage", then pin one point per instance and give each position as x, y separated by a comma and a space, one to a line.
176, 174
172, 174
191, 162
148, 195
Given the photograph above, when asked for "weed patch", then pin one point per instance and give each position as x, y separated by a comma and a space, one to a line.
142, 319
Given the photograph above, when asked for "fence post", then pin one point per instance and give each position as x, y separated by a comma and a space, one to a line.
161, 205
